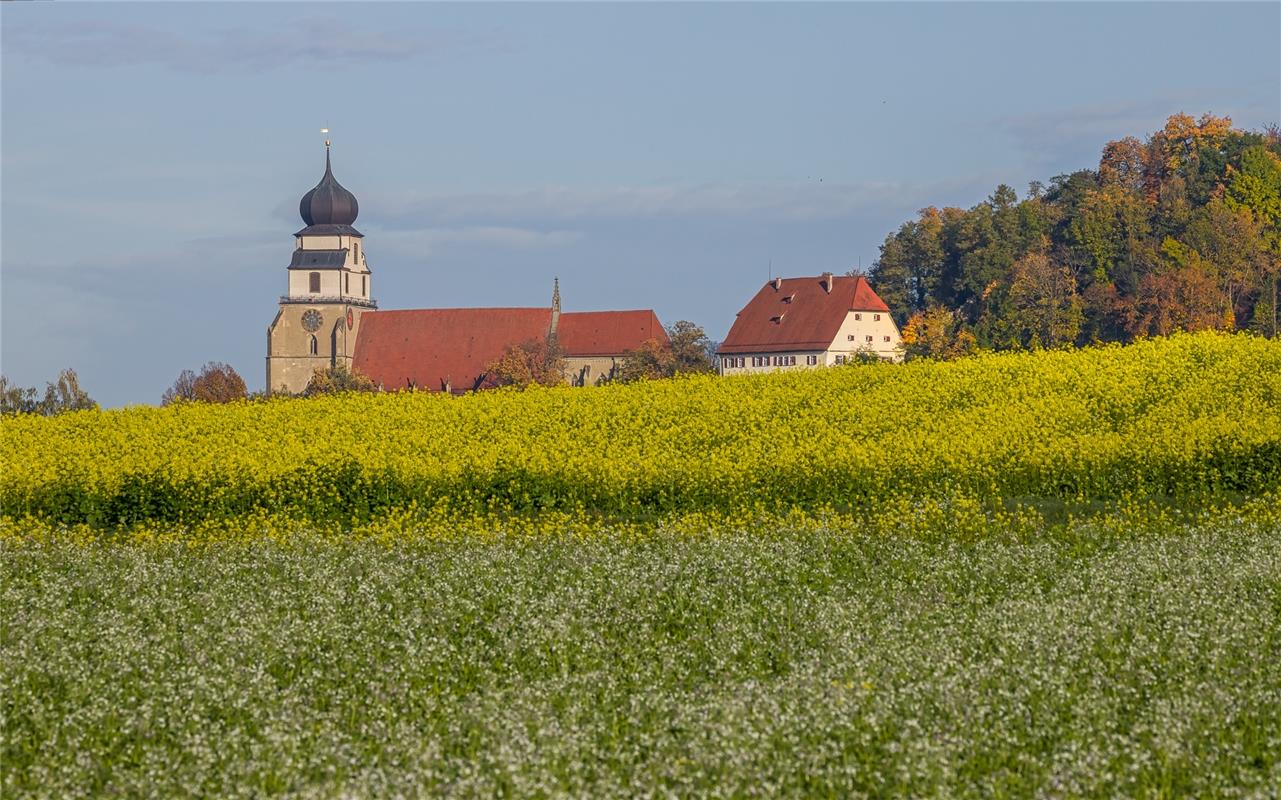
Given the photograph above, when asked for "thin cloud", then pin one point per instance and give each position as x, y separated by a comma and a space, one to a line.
419, 243
1072, 138
111, 44
812, 201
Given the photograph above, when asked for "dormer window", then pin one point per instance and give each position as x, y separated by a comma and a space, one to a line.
789, 298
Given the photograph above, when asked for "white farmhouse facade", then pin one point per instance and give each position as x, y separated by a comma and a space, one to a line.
800, 323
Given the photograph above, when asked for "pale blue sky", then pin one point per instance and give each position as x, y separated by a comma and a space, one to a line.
650, 155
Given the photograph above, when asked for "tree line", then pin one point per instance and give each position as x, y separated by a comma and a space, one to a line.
536, 362
1178, 232
687, 350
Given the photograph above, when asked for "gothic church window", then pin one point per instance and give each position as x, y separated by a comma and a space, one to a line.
315, 346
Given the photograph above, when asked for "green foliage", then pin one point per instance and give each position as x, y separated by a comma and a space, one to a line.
61, 396
1179, 232
687, 351
1114, 655
17, 399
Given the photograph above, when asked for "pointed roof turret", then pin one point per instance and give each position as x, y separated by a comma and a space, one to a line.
329, 203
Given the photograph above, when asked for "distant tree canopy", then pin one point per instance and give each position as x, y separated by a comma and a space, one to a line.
687, 350
538, 361
215, 383
1181, 232
63, 395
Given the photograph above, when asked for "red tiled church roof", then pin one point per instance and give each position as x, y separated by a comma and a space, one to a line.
434, 347
607, 333
798, 314
431, 347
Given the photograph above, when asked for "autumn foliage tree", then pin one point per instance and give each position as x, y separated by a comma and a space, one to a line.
337, 380
1180, 231
937, 333
215, 383
535, 362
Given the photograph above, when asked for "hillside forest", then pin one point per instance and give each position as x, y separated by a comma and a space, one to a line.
1178, 232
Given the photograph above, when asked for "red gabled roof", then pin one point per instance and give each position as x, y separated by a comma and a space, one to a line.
607, 333
430, 347
798, 314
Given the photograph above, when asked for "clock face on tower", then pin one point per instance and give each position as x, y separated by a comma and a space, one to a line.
311, 320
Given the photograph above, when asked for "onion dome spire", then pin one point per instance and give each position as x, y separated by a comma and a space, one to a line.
328, 203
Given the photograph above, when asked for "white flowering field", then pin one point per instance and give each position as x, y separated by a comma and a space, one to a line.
1029, 575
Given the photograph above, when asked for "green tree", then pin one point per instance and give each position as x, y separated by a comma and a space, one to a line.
1232, 247
686, 351
65, 394
1256, 187
910, 270
1045, 309
17, 399
60, 396
692, 351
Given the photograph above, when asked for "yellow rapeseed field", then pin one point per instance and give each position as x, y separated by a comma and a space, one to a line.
1188, 417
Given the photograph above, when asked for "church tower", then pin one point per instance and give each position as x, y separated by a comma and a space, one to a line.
329, 288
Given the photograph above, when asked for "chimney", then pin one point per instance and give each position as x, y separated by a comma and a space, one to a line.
827, 282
